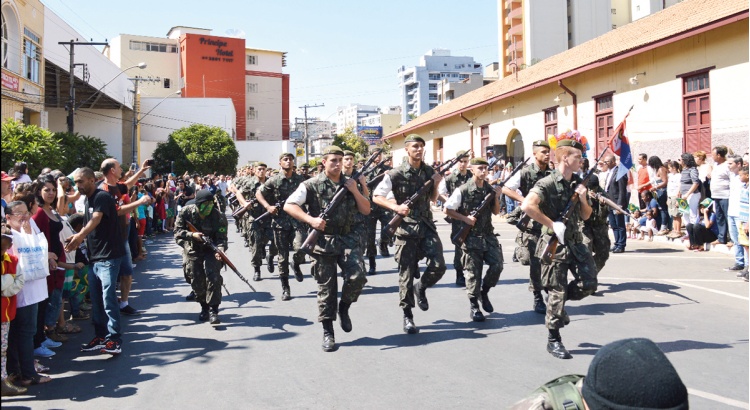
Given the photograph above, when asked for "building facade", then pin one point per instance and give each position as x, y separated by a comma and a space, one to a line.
418, 84
350, 115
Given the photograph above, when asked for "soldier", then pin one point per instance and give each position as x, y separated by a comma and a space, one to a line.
449, 185
596, 228
203, 266
359, 226
260, 234
481, 245
377, 214
416, 237
288, 234
527, 239
545, 203
338, 245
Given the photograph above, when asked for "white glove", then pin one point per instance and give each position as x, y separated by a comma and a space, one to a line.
559, 229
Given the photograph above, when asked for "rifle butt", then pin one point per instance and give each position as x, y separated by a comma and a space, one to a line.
390, 230
460, 237
309, 244
549, 251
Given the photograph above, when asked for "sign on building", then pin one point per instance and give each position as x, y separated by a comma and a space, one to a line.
295, 135
300, 152
371, 135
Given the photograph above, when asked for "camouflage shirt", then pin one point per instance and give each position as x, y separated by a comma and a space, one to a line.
554, 192
599, 210
275, 191
320, 192
405, 182
471, 197
214, 226
455, 180
529, 176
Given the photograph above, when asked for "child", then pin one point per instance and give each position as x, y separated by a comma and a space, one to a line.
12, 282
649, 226
673, 188
634, 225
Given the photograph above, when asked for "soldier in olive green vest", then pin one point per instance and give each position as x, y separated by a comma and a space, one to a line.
596, 228
481, 246
377, 214
260, 234
528, 237
545, 204
417, 236
458, 177
338, 245
288, 234
359, 225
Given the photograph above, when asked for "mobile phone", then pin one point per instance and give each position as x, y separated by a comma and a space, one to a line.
149, 162
133, 166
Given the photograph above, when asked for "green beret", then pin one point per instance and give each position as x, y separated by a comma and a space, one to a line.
261, 164
332, 149
478, 161
541, 143
413, 138
286, 154
569, 143
459, 153
305, 165
348, 153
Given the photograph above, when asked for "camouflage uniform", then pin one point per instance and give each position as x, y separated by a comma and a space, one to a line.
416, 237
359, 226
338, 245
201, 267
376, 214
596, 231
481, 245
258, 235
288, 233
453, 181
554, 192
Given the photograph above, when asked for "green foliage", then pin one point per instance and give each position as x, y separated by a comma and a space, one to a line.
36, 146
80, 151
349, 140
198, 148
314, 162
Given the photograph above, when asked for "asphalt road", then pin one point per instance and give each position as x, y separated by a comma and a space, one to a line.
267, 353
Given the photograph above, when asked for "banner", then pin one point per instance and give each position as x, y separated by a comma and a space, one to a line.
371, 135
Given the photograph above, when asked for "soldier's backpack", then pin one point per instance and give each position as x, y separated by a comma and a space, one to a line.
563, 393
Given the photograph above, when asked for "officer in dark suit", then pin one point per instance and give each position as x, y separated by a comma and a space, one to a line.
617, 191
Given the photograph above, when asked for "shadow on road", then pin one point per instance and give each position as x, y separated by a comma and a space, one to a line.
645, 286
666, 347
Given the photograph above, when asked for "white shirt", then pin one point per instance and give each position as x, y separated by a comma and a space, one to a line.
720, 179
223, 186
299, 196
442, 188
33, 291
514, 182
735, 193
384, 187
673, 185
454, 201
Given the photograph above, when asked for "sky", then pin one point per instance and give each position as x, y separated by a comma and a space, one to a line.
339, 52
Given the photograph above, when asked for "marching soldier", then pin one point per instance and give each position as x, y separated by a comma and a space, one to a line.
338, 245
262, 233
481, 245
596, 228
359, 225
528, 237
287, 232
449, 185
203, 266
377, 214
416, 237
545, 203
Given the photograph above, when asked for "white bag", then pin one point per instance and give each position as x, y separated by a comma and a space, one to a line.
66, 232
32, 252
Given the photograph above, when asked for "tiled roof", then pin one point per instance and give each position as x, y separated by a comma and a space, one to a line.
672, 21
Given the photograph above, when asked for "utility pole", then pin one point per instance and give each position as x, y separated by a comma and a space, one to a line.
71, 106
136, 107
305, 107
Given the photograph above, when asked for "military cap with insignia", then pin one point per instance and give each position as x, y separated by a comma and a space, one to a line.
478, 161
570, 143
414, 138
261, 164
459, 153
540, 143
348, 153
286, 154
332, 149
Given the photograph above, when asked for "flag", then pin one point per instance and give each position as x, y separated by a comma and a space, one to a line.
633, 207
620, 145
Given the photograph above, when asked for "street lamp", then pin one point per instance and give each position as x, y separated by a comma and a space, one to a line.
137, 121
139, 65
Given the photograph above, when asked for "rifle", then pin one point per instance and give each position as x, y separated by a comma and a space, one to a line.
338, 197
224, 258
266, 215
398, 218
241, 212
551, 247
461, 235
610, 203
375, 181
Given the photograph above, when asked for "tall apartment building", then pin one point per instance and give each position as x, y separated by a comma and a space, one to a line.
349, 116
201, 65
388, 119
419, 84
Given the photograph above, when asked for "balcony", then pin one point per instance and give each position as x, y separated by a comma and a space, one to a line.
515, 31
412, 92
516, 13
409, 80
513, 21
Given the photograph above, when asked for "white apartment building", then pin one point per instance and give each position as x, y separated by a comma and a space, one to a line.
389, 119
418, 85
349, 116
451, 90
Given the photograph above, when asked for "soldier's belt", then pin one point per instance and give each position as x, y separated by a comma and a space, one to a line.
343, 230
420, 214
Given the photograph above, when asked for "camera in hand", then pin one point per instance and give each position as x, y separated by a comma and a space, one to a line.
149, 162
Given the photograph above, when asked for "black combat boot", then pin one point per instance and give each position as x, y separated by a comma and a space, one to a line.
555, 346
346, 321
329, 342
409, 326
269, 261
256, 275
420, 293
204, 313
475, 314
539, 306
297, 272
384, 249
460, 278
214, 315
191, 296
486, 304
285, 292
372, 266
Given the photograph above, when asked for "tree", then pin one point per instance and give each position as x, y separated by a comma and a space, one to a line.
207, 149
167, 152
349, 140
36, 146
80, 151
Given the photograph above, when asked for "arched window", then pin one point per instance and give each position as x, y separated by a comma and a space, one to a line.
11, 39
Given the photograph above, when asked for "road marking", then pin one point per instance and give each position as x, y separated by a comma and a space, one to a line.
717, 398
707, 289
663, 280
661, 256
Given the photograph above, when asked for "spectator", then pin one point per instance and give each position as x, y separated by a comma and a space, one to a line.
649, 225
104, 242
616, 189
78, 293
24, 326
659, 178
12, 283
744, 216
633, 228
720, 178
20, 175
734, 164
651, 205
704, 171
5, 191
704, 230
689, 186
183, 194
673, 189
643, 183
66, 195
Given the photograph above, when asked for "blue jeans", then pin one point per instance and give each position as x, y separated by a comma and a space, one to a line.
617, 223
105, 310
661, 198
721, 218
54, 305
739, 252
510, 204
21, 341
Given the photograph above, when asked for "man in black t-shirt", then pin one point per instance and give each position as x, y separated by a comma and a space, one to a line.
184, 193
102, 234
